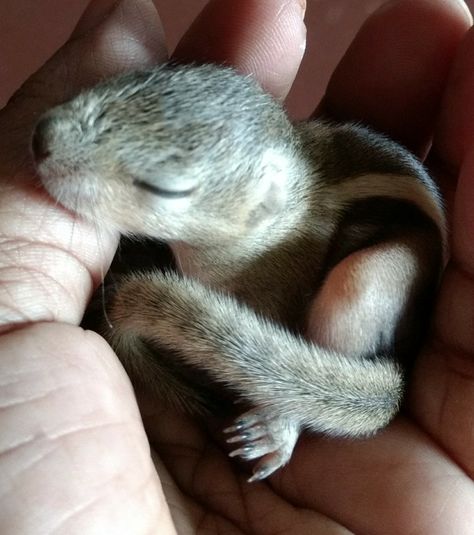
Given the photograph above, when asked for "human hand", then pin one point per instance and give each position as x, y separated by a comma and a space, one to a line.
75, 455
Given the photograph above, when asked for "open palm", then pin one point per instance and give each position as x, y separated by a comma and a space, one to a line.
73, 452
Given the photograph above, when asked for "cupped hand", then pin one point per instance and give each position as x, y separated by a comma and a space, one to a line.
73, 452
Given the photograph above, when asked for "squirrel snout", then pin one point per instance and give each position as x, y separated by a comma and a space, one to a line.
39, 144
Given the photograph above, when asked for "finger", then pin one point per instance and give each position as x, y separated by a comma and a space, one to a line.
443, 390
73, 452
455, 130
265, 38
442, 395
392, 76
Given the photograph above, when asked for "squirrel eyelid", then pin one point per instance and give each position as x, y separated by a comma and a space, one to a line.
162, 192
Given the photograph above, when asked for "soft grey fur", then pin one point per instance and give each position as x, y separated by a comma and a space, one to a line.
269, 223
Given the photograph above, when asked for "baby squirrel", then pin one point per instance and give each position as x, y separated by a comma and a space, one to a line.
308, 253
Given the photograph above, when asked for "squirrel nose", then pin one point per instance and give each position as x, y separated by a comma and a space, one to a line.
39, 142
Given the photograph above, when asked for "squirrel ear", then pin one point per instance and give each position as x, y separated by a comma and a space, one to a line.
275, 198
272, 190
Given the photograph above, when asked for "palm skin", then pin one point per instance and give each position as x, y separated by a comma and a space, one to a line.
74, 456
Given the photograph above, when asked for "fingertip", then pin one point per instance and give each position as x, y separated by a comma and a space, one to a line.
264, 38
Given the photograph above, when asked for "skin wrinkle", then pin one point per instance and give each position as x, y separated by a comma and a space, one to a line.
42, 315
10, 383
175, 505
81, 508
54, 435
43, 247
106, 483
34, 461
261, 518
16, 481
35, 366
17, 403
195, 492
28, 441
92, 427
67, 244
12, 325
38, 274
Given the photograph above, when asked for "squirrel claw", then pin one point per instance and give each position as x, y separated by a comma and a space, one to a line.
261, 434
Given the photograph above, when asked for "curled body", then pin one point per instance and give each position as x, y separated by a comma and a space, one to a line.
308, 253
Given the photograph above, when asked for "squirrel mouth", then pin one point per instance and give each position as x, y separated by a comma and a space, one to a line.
163, 192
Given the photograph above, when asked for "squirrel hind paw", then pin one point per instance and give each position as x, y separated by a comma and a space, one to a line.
260, 434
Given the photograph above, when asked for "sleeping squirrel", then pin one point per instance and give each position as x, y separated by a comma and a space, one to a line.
308, 254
